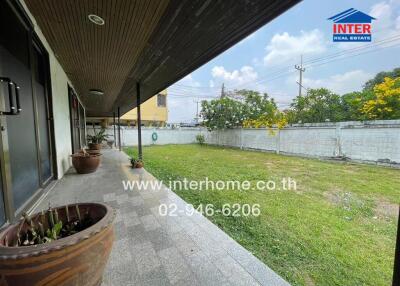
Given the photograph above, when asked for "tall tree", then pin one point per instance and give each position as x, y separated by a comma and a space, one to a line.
386, 101
235, 108
222, 113
352, 104
318, 105
380, 77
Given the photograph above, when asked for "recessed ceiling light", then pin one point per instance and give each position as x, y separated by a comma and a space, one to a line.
96, 19
96, 92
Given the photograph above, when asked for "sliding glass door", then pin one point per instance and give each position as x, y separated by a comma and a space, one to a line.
43, 116
25, 148
78, 121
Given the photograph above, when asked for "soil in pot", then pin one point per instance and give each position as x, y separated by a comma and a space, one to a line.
90, 151
78, 259
85, 163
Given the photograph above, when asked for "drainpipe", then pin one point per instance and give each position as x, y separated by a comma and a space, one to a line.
396, 270
115, 135
139, 121
119, 130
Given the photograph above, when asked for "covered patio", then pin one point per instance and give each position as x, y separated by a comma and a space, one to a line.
62, 61
150, 249
69, 60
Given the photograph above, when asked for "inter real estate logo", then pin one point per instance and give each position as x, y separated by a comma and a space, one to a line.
352, 26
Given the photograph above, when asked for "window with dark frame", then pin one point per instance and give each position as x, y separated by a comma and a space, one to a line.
161, 100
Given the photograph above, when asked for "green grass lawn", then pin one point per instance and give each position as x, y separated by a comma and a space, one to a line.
338, 228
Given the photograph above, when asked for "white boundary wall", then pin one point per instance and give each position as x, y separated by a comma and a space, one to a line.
129, 135
370, 141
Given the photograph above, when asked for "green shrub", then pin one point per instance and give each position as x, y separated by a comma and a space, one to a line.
200, 139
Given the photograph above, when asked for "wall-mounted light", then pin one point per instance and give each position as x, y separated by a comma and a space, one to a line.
96, 19
96, 92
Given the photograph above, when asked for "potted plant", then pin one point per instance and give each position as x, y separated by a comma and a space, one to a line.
97, 138
84, 162
136, 163
67, 245
90, 151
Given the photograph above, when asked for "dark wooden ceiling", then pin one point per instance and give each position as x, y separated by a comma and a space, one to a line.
155, 42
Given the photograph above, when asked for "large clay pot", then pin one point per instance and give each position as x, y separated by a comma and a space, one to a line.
138, 165
94, 146
85, 164
90, 151
76, 260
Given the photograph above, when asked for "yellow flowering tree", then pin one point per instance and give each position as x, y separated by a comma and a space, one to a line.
275, 118
386, 101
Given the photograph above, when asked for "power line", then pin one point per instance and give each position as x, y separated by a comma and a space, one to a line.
332, 55
339, 57
182, 93
192, 86
353, 55
185, 95
281, 70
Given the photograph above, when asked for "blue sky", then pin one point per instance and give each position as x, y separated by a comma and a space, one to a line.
265, 60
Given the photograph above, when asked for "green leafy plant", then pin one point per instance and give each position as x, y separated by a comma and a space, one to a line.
235, 108
47, 227
136, 163
200, 139
98, 137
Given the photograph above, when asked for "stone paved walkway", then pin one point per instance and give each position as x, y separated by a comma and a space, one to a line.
159, 250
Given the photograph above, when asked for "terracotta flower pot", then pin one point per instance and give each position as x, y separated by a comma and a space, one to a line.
85, 164
94, 146
90, 151
138, 165
76, 260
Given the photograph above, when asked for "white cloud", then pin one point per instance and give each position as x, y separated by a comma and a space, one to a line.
383, 13
211, 83
245, 74
339, 83
284, 47
189, 81
398, 23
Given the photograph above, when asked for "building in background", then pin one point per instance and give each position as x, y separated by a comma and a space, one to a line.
154, 112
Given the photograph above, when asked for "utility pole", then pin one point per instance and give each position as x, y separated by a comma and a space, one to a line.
139, 120
223, 90
197, 111
301, 70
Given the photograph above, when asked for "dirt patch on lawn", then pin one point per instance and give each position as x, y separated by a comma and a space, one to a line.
351, 168
309, 281
385, 209
349, 201
346, 200
332, 197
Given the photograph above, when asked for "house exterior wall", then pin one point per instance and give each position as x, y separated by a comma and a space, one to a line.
150, 112
60, 104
